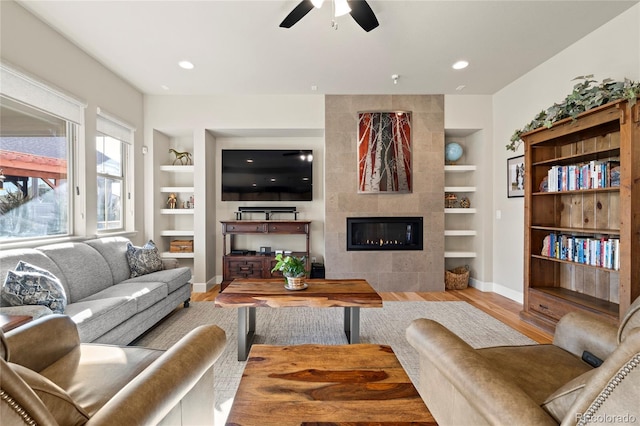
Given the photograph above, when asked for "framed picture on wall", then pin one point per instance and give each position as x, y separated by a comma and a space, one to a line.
515, 177
384, 152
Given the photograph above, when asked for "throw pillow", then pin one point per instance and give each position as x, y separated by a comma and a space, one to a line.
143, 260
59, 403
27, 287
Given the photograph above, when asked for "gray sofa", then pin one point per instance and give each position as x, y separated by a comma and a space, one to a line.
106, 304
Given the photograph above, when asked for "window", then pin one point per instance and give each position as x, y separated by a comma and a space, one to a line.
112, 151
110, 182
35, 164
39, 127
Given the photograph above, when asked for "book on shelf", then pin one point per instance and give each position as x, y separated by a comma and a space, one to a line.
591, 175
603, 252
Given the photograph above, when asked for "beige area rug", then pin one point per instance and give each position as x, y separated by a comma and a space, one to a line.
290, 326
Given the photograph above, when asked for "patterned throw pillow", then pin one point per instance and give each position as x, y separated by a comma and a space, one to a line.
143, 260
34, 286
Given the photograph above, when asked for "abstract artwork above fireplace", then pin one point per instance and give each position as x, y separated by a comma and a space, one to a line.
384, 152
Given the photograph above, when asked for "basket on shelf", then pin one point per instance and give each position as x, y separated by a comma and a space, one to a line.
456, 278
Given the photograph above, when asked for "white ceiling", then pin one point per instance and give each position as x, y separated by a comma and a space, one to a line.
238, 48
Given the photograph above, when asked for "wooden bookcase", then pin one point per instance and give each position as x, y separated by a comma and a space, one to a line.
555, 286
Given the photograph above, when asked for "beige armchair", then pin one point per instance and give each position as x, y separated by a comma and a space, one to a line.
48, 377
537, 384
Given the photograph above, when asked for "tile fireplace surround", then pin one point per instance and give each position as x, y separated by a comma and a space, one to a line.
394, 270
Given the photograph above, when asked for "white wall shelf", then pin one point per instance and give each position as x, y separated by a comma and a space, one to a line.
460, 254
176, 169
460, 169
176, 211
176, 189
460, 211
460, 233
177, 233
175, 255
459, 189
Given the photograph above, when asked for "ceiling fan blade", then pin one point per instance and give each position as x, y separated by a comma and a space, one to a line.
363, 15
297, 13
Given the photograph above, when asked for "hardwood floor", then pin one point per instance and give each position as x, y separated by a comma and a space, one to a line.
499, 307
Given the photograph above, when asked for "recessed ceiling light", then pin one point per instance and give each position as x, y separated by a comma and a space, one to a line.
460, 88
186, 65
460, 65
165, 87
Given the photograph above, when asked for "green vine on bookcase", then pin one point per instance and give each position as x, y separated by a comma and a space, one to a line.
586, 95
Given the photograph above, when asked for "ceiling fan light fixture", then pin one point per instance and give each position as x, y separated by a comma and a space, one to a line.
317, 3
341, 7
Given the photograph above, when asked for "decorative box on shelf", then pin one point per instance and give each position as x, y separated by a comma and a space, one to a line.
181, 246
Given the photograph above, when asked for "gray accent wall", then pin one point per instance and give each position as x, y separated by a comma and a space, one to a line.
385, 270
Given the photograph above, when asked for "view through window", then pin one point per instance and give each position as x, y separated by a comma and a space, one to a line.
110, 161
35, 169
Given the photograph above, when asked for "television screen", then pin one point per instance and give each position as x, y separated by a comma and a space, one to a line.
267, 175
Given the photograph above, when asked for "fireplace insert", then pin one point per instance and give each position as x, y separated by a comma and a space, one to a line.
384, 233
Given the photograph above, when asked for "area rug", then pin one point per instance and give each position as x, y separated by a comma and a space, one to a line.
292, 326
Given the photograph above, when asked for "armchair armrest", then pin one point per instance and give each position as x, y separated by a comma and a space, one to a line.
27, 343
484, 389
153, 393
577, 332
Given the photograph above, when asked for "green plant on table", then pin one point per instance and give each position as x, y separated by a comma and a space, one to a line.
290, 266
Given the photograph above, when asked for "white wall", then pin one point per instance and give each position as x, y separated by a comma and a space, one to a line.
32, 46
612, 51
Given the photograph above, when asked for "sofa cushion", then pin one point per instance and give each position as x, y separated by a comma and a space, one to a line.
559, 402
143, 260
9, 259
34, 288
630, 320
34, 311
58, 402
174, 278
96, 317
85, 270
114, 251
144, 293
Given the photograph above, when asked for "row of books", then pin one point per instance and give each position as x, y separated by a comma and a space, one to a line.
603, 252
591, 175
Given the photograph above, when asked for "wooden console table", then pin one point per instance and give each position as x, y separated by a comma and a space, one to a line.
326, 384
252, 264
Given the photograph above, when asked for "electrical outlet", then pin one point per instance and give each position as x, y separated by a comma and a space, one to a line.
313, 259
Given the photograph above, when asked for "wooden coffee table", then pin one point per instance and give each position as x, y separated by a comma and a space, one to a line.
325, 384
247, 294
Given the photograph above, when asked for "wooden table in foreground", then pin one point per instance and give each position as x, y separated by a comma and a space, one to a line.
339, 384
9, 322
247, 294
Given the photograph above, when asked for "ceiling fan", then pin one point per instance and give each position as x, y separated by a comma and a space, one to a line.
359, 9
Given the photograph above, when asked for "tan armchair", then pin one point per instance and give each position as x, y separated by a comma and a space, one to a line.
537, 384
48, 377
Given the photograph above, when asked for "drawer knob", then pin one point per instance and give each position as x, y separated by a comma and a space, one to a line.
543, 307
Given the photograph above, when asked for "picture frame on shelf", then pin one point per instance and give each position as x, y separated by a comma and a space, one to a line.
515, 177
384, 152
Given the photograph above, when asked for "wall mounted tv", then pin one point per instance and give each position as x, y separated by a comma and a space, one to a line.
267, 175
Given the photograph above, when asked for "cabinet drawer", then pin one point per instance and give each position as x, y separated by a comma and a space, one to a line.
244, 269
287, 228
549, 306
244, 227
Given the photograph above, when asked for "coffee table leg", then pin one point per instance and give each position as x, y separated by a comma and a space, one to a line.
352, 324
246, 331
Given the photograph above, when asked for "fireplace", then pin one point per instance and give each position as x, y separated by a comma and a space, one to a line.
384, 233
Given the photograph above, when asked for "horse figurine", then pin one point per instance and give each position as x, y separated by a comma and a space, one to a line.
183, 157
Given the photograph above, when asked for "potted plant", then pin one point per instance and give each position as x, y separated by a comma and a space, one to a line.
294, 270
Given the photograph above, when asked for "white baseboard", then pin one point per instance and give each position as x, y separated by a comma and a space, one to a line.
516, 296
204, 287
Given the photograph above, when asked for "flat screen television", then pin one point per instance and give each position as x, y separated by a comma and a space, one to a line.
267, 175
